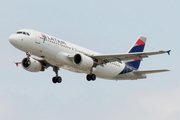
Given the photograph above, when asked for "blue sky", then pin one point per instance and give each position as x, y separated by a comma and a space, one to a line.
106, 27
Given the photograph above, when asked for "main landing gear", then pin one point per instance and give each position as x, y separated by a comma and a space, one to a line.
56, 79
90, 77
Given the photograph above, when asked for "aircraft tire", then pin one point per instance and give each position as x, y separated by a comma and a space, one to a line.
54, 80
59, 79
93, 77
88, 77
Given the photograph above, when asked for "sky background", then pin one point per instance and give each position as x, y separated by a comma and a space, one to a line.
104, 26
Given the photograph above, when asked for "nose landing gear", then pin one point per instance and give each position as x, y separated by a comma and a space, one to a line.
56, 79
28, 54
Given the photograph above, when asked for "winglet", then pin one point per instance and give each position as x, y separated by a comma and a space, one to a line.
17, 63
168, 52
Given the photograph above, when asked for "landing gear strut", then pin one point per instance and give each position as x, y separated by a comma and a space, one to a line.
27, 62
56, 79
90, 77
28, 54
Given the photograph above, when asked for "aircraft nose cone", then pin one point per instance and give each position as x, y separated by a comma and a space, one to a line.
12, 39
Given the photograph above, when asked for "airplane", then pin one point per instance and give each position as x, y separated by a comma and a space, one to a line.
57, 53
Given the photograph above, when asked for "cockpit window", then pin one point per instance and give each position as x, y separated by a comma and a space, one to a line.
19, 32
25, 33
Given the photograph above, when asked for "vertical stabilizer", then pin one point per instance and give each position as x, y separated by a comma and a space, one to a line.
137, 47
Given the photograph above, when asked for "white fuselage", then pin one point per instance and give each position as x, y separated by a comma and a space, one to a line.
55, 50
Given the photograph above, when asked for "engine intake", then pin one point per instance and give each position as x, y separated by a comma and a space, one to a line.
77, 59
31, 65
83, 61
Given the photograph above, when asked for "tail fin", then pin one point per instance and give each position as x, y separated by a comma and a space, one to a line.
137, 47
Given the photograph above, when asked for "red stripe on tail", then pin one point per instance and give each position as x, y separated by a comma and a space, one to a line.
140, 42
136, 59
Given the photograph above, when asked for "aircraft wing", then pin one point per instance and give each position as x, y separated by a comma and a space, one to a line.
103, 59
150, 71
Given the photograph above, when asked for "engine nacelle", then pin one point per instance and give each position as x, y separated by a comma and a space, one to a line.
31, 65
83, 61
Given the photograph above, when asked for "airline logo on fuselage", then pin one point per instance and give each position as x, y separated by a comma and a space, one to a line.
46, 37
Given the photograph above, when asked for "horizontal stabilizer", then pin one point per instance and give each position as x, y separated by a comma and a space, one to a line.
150, 71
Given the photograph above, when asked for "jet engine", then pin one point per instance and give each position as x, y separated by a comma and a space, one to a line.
83, 61
31, 65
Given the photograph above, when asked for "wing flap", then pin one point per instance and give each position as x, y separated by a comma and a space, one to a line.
150, 71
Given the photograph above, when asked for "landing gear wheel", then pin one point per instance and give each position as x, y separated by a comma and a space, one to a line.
90, 77
57, 79
54, 80
93, 77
